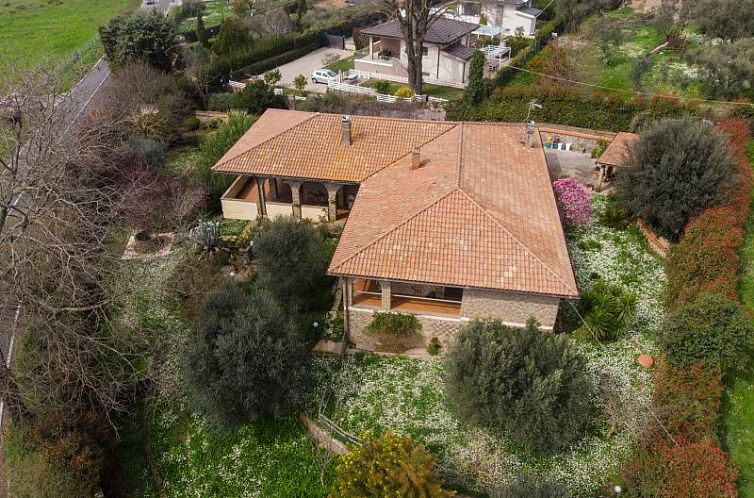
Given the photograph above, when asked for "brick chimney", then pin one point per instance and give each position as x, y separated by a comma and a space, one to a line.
345, 131
416, 158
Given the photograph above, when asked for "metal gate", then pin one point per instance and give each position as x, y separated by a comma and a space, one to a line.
335, 41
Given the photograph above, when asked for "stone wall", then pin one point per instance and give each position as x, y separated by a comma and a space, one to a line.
510, 307
445, 329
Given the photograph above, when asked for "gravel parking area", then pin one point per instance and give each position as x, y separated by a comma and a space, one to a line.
306, 64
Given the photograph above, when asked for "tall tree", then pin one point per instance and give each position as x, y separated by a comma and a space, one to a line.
475, 91
53, 226
415, 17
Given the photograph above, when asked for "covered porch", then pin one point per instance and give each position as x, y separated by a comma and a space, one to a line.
417, 298
252, 196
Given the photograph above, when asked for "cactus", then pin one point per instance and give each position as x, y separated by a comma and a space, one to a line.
206, 234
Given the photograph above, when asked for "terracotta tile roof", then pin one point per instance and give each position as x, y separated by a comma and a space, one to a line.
479, 212
307, 145
442, 32
615, 153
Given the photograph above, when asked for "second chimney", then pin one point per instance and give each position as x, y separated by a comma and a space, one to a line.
345, 131
416, 158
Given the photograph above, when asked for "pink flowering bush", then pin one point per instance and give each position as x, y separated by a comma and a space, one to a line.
574, 200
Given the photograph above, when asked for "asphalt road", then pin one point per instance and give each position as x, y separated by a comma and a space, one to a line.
78, 101
84, 94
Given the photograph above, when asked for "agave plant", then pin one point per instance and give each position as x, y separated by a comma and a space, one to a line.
606, 311
206, 234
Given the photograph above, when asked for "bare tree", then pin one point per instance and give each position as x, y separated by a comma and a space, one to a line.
415, 18
54, 222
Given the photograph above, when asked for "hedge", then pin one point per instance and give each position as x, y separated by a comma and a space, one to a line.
569, 106
262, 51
706, 258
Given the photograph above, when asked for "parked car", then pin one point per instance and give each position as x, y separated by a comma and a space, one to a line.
327, 75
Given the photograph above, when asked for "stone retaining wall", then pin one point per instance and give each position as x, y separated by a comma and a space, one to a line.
658, 244
445, 329
510, 307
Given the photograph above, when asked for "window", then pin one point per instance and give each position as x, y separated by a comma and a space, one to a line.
425, 51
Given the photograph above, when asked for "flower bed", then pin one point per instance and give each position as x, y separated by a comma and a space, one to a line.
374, 393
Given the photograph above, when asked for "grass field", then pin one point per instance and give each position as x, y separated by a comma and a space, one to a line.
51, 31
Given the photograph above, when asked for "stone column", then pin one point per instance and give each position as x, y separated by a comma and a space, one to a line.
296, 196
347, 302
274, 189
386, 294
261, 199
332, 204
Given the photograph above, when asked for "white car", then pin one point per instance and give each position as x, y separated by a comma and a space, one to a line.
328, 75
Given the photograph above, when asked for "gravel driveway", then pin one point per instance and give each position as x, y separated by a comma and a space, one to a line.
306, 64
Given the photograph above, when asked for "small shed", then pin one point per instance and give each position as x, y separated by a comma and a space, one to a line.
614, 156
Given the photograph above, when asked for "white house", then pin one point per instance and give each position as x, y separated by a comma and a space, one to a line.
445, 53
508, 15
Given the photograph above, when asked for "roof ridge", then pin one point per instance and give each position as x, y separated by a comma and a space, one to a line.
516, 239
453, 126
313, 115
460, 155
395, 227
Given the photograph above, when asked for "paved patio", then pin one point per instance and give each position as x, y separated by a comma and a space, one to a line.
571, 164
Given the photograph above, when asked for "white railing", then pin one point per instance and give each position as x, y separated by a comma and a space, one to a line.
403, 79
381, 97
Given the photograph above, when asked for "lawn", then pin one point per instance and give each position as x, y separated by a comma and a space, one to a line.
342, 65
266, 458
443, 92
374, 394
39, 32
214, 14
739, 412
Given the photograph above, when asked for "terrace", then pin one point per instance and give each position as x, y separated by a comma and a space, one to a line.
407, 298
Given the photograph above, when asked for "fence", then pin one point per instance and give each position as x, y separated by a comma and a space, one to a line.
403, 79
381, 97
335, 431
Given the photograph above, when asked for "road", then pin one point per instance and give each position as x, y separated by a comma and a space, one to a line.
84, 94
78, 101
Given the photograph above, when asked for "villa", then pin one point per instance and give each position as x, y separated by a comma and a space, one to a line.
505, 15
449, 221
445, 53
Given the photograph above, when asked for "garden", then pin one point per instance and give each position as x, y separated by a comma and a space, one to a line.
373, 394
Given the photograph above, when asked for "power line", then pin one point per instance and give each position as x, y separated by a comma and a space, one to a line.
631, 92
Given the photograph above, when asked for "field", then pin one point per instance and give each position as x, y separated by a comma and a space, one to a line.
51, 31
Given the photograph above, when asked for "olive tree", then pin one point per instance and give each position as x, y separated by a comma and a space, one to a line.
527, 382
676, 168
246, 358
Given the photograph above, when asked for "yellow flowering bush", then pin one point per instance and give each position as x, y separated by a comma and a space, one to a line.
388, 466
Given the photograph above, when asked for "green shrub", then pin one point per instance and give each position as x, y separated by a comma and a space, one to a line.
528, 486
388, 466
146, 36
290, 256
246, 358
222, 102
434, 347
192, 123
382, 86
212, 149
615, 215
712, 331
475, 91
606, 311
233, 33
394, 323
257, 97
673, 171
527, 382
